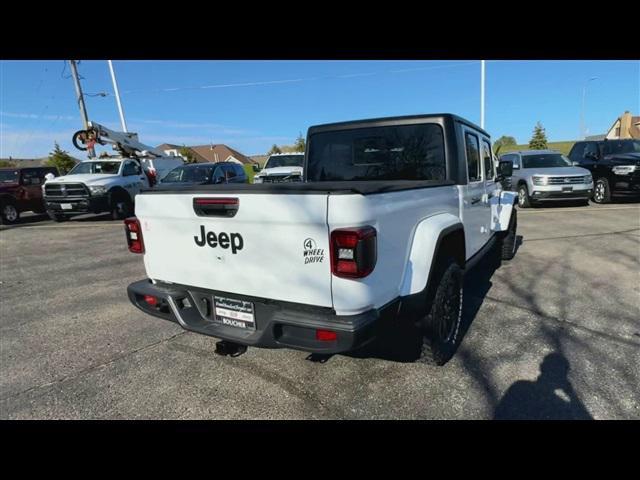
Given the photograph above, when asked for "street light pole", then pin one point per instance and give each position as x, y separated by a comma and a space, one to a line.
115, 88
482, 64
584, 95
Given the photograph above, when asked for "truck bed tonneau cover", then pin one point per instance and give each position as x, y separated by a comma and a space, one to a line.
304, 188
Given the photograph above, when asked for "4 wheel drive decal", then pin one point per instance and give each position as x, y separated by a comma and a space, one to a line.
311, 253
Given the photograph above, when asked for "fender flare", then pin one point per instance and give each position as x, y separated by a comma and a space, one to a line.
502, 206
425, 244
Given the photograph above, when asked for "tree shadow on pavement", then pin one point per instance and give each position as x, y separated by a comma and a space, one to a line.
550, 397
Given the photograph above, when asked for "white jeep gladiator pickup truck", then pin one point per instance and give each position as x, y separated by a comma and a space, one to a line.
389, 216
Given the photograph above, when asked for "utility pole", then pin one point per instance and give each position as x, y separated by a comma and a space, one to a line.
115, 88
482, 62
83, 108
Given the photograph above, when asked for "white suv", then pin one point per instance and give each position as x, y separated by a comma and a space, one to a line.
547, 176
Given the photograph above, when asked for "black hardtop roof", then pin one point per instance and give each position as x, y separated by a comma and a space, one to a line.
387, 121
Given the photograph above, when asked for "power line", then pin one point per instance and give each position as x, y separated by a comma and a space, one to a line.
297, 80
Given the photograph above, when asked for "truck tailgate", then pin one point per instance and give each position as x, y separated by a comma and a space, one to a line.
275, 246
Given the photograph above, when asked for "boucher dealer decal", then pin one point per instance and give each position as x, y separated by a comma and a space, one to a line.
312, 254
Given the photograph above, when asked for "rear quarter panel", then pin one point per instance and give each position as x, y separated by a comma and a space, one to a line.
395, 216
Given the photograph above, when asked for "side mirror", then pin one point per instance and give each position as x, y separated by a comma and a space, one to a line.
591, 155
505, 169
256, 168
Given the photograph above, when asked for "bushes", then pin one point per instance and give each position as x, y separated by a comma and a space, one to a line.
249, 171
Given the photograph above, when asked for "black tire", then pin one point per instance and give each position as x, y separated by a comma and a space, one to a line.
121, 206
524, 201
440, 328
508, 241
9, 213
57, 217
601, 191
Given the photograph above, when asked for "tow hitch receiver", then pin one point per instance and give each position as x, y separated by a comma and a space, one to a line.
229, 349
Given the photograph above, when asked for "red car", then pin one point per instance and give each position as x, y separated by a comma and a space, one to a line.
21, 191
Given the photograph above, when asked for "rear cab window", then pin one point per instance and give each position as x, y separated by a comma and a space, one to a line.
404, 152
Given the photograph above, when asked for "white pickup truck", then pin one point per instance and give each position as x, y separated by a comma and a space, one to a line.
389, 216
102, 185
106, 184
281, 167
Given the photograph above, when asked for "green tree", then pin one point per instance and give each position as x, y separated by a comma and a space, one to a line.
503, 141
274, 149
60, 159
187, 154
539, 139
300, 143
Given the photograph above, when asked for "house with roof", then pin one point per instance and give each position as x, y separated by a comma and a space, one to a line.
625, 126
209, 153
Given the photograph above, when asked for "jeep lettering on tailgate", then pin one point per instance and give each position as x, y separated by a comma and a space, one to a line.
223, 239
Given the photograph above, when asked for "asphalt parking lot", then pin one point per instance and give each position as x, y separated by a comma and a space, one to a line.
554, 333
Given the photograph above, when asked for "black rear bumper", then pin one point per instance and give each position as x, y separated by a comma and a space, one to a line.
278, 324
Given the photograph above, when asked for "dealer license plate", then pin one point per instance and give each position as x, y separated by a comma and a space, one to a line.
232, 312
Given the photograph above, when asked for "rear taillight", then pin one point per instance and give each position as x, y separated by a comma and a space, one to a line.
353, 252
152, 177
134, 235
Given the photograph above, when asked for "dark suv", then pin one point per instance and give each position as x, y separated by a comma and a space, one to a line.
205, 173
21, 191
614, 165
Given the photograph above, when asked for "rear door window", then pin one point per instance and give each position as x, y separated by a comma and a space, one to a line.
472, 147
487, 159
406, 152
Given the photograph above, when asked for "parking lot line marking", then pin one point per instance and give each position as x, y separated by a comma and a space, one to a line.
583, 209
584, 235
